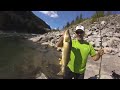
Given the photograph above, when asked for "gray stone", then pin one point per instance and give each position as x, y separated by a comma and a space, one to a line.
89, 33
119, 54
105, 44
42, 76
91, 42
103, 22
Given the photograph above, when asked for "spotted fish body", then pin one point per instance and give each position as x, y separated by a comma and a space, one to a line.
66, 49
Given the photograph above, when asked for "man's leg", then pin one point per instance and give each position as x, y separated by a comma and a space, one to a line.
79, 76
68, 74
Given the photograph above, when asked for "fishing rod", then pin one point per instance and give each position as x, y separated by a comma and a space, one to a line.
101, 48
101, 56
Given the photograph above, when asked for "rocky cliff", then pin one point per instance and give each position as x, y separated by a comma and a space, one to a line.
22, 21
110, 33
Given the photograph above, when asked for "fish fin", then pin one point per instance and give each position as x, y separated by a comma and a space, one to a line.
60, 61
60, 73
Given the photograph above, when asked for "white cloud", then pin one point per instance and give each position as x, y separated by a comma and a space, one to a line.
52, 14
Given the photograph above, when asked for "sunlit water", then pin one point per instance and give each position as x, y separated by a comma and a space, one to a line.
20, 58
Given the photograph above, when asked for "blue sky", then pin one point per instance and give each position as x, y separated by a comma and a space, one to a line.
58, 19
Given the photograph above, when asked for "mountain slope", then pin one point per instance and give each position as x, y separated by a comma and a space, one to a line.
22, 21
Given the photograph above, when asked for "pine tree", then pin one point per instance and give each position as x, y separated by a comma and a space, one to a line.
77, 20
58, 28
81, 18
109, 13
97, 15
72, 22
68, 24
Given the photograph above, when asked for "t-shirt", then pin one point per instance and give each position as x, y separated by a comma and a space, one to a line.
79, 55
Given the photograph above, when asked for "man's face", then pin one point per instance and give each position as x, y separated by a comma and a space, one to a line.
79, 34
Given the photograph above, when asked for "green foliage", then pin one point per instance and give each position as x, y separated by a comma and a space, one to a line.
67, 25
72, 22
78, 19
97, 15
81, 17
109, 13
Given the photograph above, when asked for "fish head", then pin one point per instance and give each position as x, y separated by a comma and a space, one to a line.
67, 37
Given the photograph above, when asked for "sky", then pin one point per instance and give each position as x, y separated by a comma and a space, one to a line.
58, 19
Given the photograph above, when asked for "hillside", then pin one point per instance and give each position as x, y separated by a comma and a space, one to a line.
22, 21
110, 42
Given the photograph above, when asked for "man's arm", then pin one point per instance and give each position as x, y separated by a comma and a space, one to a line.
98, 55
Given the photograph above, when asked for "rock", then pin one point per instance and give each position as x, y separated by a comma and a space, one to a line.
34, 39
119, 54
116, 35
106, 77
104, 44
103, 22
114, 51
109, 34
94, 33
44, 39
97, 44
53, 41
45, 43
92, 43
107, 50
59, 49
117, 30
115, 39
109, 43
88, 33
42, 76
94, 28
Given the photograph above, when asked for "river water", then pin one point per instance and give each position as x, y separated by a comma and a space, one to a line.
23, 59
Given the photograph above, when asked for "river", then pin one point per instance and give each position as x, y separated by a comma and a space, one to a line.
23, 59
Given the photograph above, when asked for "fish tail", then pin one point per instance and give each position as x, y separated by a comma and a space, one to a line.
61, 73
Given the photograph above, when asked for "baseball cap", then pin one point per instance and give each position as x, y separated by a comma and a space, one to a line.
80, 27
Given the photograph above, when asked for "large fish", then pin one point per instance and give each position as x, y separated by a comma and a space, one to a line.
66, 49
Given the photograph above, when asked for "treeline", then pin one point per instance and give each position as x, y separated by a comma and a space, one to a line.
77, 20
94, 18
99, 14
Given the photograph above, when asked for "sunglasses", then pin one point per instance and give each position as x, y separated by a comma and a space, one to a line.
79, 32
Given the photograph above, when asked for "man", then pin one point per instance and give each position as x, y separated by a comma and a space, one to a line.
80, 51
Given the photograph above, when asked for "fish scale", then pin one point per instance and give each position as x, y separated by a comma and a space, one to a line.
66, 49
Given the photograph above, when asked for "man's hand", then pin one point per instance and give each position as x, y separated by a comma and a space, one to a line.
98, 55
101, 52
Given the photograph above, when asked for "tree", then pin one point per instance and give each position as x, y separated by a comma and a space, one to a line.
58, 29
109, 13
77, 20
63, 27
81, 18
97, 15
68, 24
72, 22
